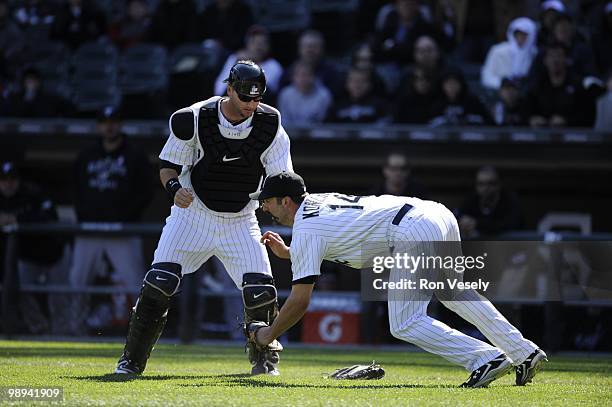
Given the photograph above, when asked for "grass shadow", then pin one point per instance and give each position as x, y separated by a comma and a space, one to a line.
113, 377
246, 380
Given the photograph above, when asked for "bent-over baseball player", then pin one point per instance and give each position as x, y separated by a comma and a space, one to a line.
217, 153
335, 226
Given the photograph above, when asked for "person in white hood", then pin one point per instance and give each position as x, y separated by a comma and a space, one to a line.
512, 58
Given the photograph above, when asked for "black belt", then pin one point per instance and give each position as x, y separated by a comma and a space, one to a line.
401, 213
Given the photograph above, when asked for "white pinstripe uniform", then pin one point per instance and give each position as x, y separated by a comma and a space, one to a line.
336, 227
194, 234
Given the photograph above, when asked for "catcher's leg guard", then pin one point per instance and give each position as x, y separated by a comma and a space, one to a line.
260, 304
149, 316
259, 297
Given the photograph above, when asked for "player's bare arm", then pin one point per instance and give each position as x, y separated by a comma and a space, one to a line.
291, 312
183, 196
276, 243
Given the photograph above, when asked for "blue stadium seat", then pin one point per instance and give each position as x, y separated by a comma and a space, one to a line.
195, 57
55, 75
143, 69
91, 96
282, 15
99, 51
332, 6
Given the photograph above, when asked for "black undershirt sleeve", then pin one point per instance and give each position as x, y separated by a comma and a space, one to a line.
168, 164
305, 280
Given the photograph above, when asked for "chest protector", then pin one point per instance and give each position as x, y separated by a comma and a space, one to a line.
230, 168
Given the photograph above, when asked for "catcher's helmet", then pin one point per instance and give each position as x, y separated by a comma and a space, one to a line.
248, 79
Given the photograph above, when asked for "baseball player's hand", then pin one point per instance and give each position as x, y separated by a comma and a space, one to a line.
276, 243
262, 338
183, 198
258, 333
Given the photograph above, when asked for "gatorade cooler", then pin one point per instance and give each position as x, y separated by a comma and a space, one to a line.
332, 319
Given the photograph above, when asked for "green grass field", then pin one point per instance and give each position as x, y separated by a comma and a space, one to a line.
216, 376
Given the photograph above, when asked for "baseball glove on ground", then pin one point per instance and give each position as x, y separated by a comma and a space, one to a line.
363, 372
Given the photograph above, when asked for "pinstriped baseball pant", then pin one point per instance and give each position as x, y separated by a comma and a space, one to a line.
193, 235
408, 319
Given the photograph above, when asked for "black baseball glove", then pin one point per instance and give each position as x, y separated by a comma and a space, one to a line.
363, 372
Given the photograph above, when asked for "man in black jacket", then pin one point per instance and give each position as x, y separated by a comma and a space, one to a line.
491, 209
113, 184
39, 259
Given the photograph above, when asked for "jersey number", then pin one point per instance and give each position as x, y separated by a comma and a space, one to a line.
348, 198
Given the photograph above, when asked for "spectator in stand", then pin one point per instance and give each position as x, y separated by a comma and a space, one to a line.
601, 39
402, 25
77, 22
174, 22
427, 55
311, 51
12, 43
41, 259
363, 58
258, 50
603, 121
458, 106
427, 59
113, 184
359, 105
31, 100
550, 10
508, 110
306, 101
556, 97
417, 99
226, 21
398, 179
580, 54
491, 209
133, 27
512, 58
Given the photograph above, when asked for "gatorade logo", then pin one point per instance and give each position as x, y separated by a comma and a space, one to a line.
330, 327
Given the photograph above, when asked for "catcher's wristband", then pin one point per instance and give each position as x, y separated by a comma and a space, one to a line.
172, 186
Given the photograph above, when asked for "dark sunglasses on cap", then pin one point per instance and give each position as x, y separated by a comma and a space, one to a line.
247, 99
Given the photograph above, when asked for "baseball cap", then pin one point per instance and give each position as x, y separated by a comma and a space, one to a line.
553, 5
8, 170
285, 183
109, 113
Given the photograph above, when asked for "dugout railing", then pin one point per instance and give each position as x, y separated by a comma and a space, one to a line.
10, 287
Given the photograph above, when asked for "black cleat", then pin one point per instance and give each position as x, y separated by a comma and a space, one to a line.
488, 372
528, 369
126, 366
